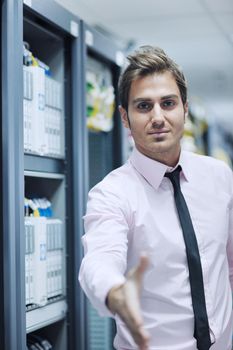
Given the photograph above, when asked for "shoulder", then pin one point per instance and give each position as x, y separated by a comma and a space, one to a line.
211, 168
207, 162
110, 196
115, 183
211, 163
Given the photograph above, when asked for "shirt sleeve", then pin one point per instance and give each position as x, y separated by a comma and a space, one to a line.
230, 236
105, 246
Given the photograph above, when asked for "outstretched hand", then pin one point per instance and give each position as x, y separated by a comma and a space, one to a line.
124, 300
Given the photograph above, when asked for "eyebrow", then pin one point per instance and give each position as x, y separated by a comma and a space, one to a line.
147, 99
169, 96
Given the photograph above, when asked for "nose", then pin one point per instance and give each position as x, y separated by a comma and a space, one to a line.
157, 117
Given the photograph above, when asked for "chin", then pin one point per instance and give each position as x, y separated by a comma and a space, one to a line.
160, 148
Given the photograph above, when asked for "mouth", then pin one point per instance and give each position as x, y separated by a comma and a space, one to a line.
158, 132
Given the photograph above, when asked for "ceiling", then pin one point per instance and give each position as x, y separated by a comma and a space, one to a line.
198, 34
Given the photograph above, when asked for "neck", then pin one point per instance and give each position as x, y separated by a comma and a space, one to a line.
163, 157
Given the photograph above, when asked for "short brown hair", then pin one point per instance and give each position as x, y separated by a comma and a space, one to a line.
146, 61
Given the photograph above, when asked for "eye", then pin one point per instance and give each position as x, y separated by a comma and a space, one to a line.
168, 103
144, 106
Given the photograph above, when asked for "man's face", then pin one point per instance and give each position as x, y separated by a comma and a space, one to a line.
156, 114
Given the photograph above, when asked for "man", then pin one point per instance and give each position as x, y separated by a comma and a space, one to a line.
159, 251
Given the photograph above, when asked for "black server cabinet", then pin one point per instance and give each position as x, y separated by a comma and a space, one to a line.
34, 169
103, 61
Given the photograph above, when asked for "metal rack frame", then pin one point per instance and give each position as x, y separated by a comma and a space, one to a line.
12, 182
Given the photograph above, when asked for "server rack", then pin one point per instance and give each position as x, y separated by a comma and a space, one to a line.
105, 152
64, 42
55, 35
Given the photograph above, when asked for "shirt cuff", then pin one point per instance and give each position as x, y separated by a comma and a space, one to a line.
98, 292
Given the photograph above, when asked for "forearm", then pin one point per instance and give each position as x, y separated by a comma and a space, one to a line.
98, 276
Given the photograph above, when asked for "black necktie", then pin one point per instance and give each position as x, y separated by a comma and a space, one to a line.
201, 324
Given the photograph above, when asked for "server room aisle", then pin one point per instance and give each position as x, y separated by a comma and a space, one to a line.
60, 135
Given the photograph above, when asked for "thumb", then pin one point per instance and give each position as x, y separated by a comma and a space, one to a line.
138, 271
142, 266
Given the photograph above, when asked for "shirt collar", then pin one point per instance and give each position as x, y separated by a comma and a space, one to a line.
153, 171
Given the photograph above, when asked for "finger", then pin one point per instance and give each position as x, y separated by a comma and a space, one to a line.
131, 316
139, 334
141, 338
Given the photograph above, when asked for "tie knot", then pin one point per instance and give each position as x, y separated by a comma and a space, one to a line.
174, 176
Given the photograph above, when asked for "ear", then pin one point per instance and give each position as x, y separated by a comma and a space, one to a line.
186, 111
124, 117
